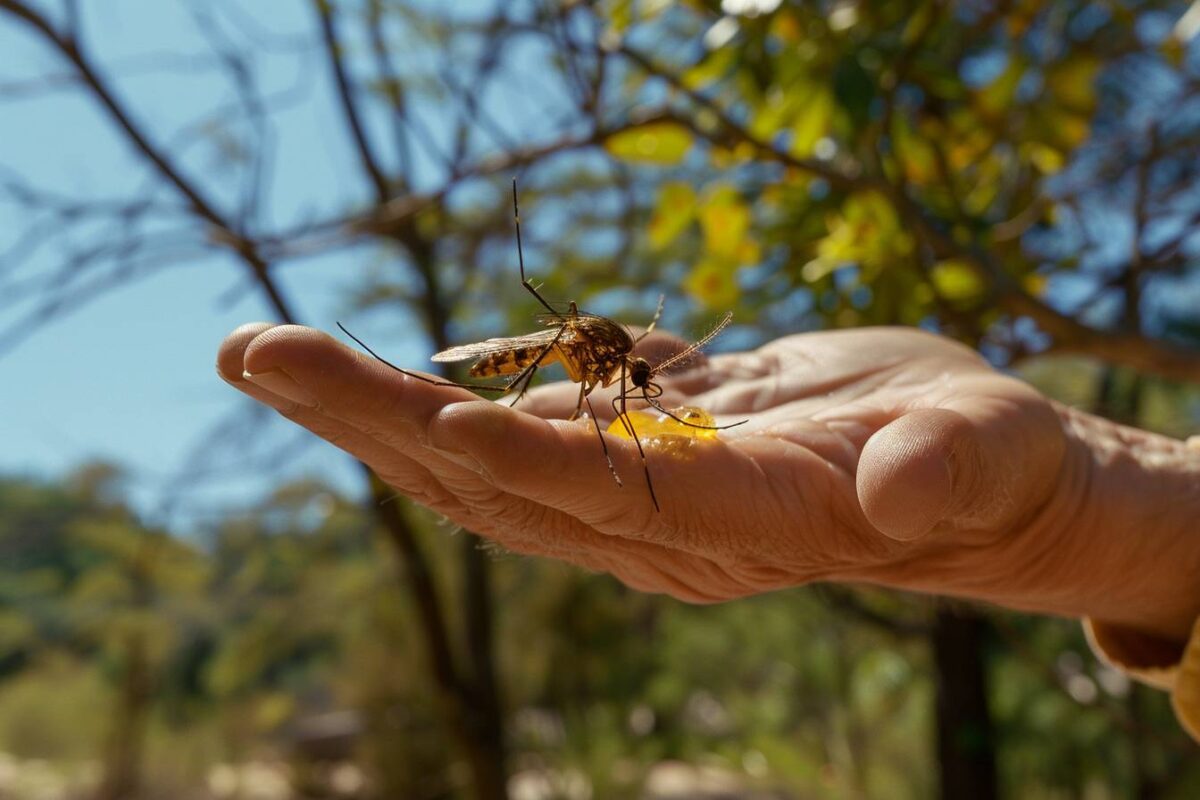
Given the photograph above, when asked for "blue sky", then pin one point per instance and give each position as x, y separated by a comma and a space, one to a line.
129, 377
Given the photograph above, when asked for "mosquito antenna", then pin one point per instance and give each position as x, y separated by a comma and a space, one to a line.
693, 348
662, 298
658, 406
481, 387
378, 357
521, 254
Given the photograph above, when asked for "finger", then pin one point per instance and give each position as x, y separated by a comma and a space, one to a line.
399, 471
319, 373
702, 489
976, 465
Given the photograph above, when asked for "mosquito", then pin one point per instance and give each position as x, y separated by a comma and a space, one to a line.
595, 351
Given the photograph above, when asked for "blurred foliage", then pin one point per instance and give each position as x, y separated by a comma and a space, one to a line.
278, 644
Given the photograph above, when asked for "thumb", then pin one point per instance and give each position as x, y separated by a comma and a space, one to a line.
935, 465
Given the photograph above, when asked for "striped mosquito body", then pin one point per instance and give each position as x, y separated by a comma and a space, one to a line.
595, 351
591, 349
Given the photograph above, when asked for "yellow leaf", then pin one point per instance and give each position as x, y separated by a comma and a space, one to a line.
714, 67
657, 143
867, 232
675, 210
996, 98
1045, 158
812, 121
713, 283
957, 280
725, 219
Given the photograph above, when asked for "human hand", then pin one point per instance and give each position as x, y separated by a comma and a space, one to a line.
883, 455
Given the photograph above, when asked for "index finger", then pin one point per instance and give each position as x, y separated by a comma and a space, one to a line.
321, 373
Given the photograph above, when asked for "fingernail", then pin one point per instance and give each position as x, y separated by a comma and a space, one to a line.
282, 384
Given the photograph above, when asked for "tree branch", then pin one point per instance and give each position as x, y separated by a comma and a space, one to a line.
333, 54
70, 49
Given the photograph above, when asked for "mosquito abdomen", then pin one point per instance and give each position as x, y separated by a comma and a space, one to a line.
511, 362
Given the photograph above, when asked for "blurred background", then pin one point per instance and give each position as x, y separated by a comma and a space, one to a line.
199, 601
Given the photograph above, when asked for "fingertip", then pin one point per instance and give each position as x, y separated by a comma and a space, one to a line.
290, 346
231, 353
905, 479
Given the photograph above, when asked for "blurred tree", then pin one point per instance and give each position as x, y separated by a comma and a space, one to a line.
1015, 174
88, 578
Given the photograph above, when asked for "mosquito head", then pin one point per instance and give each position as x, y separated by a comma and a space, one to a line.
640, 372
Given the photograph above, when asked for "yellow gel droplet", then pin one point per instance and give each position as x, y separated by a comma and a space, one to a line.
650, 424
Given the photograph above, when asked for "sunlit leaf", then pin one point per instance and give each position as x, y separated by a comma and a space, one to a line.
725, 219
998, 96
1046, 159
957, 280
713, 283
715, 66
675, 210
659, 143
812, 120
866, 232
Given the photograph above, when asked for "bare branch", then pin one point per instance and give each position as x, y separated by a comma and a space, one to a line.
71, 49
335, 58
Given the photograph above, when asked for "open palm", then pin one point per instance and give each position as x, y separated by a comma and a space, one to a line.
886, 455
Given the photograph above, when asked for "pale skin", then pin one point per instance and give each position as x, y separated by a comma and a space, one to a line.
883, 455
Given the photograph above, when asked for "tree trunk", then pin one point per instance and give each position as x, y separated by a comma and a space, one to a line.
123, 753
472, 715
966, 742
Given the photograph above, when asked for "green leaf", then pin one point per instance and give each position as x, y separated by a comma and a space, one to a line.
854, 89
657, 143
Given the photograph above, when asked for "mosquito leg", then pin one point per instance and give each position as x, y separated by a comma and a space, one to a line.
521, 255
618, 405
481, 387
527, 373
603, 444
579, 403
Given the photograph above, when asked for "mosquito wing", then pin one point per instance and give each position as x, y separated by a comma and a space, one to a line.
692, 350
466, 352
582, 325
